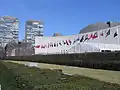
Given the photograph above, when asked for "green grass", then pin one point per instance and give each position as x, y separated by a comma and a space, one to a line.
10, 81
29, 78
102, 75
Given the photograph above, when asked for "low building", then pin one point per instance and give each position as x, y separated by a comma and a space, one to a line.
107, 39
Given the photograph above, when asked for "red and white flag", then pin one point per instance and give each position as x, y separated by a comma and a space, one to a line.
38, 46
90, 36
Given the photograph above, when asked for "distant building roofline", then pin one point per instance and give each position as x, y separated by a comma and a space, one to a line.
39, 21
99, 26
8, 17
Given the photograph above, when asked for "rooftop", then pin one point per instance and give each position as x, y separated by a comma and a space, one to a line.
98, 26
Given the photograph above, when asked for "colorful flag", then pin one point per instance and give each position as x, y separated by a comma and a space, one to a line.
115, 34
51, 44
69, 42
90, 36
101, 34
60, 43
82, 38
76, 40
38, 46
95, 35
55, 45
109, 24
43, 46
108, 33
65, 42
86, 37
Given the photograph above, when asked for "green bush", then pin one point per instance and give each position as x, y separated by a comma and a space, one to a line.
109, 60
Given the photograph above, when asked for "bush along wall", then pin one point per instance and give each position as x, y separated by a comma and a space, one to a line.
106, 60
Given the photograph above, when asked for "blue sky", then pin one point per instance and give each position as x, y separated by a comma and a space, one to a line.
64, 16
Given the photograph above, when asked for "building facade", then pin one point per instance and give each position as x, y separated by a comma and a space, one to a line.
19, 49
33, 28
95, 41
9, 30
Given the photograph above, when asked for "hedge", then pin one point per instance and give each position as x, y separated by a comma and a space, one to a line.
102, 60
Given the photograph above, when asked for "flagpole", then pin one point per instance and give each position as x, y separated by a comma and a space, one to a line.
118, 32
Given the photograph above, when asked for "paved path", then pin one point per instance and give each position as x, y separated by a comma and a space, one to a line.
102, 75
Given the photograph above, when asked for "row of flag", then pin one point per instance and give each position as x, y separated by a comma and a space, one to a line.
64, 42
108, 33
79, 39
95, 35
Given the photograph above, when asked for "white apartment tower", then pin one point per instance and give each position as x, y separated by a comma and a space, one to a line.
9, 30
33, 28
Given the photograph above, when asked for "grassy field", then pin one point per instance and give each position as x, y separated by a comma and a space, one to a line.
102, 75
20, 77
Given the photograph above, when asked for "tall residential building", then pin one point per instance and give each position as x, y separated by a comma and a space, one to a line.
9, 27
33, 28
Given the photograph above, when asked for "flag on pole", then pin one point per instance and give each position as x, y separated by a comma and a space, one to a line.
101, 34
108, 33
51, 45
82, 38
65, 42
43, 46
38, 46
76, 40
60, 43
69, 42
115, 34
55, 45
109, 23
95, 35
86, 37
90, 36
